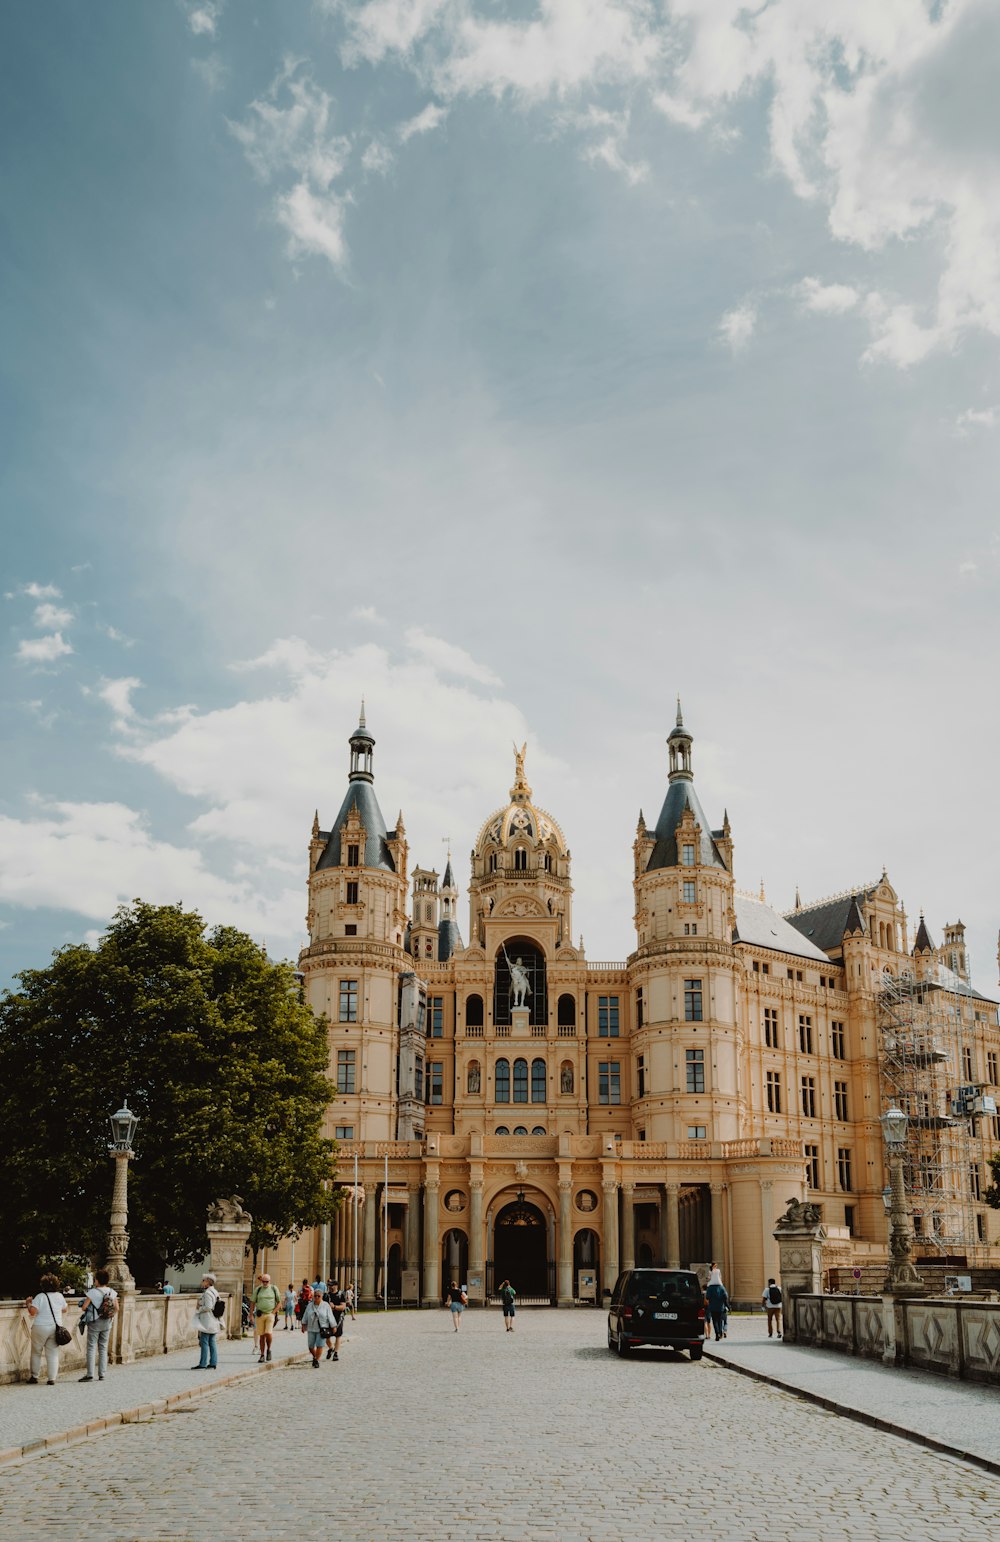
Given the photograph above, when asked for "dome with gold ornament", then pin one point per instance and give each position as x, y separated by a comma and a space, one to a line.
520, 823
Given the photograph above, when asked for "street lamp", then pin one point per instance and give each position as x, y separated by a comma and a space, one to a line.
902, 1277
123, 1127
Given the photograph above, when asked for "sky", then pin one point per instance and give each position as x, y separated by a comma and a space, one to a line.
518, 365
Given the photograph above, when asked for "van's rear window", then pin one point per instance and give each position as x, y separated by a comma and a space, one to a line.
658, 1284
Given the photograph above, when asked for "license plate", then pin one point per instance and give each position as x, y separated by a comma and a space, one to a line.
665, 1316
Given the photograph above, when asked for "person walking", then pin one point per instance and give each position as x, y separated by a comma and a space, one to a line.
508, 1300
97, 1319
457, 1302
338, 1305
266, 1300
46, 1313
771, 1297
288, 1305
718, 1302
208, 1325
352, 1305
318, 1323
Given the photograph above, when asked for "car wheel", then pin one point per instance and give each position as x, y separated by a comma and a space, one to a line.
611, 1341
697, 1350
622, 1345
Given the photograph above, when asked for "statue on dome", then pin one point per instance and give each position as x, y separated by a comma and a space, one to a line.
519, 986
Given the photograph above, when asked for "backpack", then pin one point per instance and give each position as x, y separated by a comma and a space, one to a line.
108, 1308
219, 1307
774, 1295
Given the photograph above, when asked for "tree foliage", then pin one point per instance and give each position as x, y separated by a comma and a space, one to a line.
214, 1050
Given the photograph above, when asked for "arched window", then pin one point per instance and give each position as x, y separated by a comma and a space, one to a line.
538, 1081
502, 1129
520, 1129
548, 862
493, 861
473, 1011
538, 1130
520, 971
520, 1081
566, 1012
501, 1082
520, 860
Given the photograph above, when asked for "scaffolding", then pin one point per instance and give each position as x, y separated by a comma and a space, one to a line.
926, 1055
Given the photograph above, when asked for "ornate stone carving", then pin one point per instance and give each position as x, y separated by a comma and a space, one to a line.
798, 1216
229, 1212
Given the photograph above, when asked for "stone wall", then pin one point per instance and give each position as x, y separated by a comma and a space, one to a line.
950, 1336
145, 1325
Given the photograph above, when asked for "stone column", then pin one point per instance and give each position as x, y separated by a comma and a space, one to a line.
477, 1260
610, 1240
228, 1229
718, 1226
672, 1256
564, 1292
411, 1233
369, 1222
800, 1238
431, 1294
628, 1225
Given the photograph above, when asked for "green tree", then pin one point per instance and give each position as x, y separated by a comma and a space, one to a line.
215, 1051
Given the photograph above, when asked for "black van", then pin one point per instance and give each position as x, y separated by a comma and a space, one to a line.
664, 1308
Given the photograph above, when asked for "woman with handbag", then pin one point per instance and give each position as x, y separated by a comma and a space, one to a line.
47, 1331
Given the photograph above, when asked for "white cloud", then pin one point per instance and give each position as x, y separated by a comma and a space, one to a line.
376, 158
826, 299
737, 326
118, 696
425, 122
315, 224
367, 613
611, 132
49, 617
378, 27
976, 417
212, 70
43, 650
115, 635
35, 592
681, 113
203, 16
448, 657
288, 653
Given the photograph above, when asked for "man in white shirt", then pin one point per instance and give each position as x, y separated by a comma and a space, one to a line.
98, 1317
771, 1297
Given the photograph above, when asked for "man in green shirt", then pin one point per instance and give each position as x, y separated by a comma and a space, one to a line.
266, 1300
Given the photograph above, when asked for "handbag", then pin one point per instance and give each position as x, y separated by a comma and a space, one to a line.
63, 1335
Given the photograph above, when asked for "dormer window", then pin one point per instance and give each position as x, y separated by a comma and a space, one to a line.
352, 856
687, 856
520, 860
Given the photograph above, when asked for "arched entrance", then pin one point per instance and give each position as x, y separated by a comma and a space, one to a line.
520, 1250
454, 1259
587, 1267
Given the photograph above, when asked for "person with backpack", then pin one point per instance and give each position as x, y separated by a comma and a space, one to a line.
266, 1300
771, 1297
508, 1300
208, 1321
96, 1321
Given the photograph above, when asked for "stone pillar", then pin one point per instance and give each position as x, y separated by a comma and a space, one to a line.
718, 1226
411, 1232
431, 1294
564, 1283
610, 1241
800, 1238
477, 1260
228, 1229
369, 1221
628, 1226
672, 1256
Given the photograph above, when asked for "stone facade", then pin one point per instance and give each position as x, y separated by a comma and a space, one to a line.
556, 1119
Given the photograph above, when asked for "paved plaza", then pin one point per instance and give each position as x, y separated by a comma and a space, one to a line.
421, 1433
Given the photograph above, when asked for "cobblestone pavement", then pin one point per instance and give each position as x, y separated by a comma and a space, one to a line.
420, 1433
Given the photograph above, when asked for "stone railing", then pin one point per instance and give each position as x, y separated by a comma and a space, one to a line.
949, 1336
144, 1326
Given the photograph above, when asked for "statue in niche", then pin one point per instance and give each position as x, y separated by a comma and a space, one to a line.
519, 986
566, 1077
474, 1076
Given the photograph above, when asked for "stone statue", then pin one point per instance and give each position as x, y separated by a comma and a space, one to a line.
519, 987
566, 1078
798, 1214
474, 1076
229, 1212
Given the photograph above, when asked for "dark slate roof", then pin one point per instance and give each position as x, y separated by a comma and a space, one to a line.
448, 881
449, 940
922, 942
680, 796
855, 922
825, 924
762, 927
361, 794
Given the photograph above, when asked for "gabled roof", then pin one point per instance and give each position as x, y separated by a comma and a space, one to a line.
681, 796
826, 922
762, 927
361, 795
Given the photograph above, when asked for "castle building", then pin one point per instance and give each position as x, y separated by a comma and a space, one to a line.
513, 1109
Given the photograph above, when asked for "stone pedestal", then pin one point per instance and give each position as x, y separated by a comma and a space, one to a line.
520, 1019
228, 1229
800, 1236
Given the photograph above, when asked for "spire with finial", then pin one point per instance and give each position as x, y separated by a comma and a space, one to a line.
762, 896
361, 718
362, 745
679, 745
798, 898
520, 792
680, 715
922, 942
315, 828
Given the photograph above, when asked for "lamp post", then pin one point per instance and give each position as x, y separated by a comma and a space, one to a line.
123, 1128
902, 1277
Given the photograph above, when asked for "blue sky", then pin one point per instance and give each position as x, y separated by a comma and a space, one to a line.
516, 366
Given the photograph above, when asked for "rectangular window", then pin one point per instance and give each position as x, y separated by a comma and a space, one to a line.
435, 1017
771, 1027
837, 1043
352, 892
840, 1100
774, 1092
692, 1001
812, 1166
809, 1097
418, 1079
609, 1081
607, 1017
980, 1227
849, 1219
640, 1076
687, 856
344, 1132
641, 1134
967, 1070
756, 966
639, 1008
976, 1180
765, 969
350, 930
352, 856
844, 1168
345, 1070
991, 1067
435, 1081
697, 1131
690, 891
805, 1034
348, 1001
695, 1062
